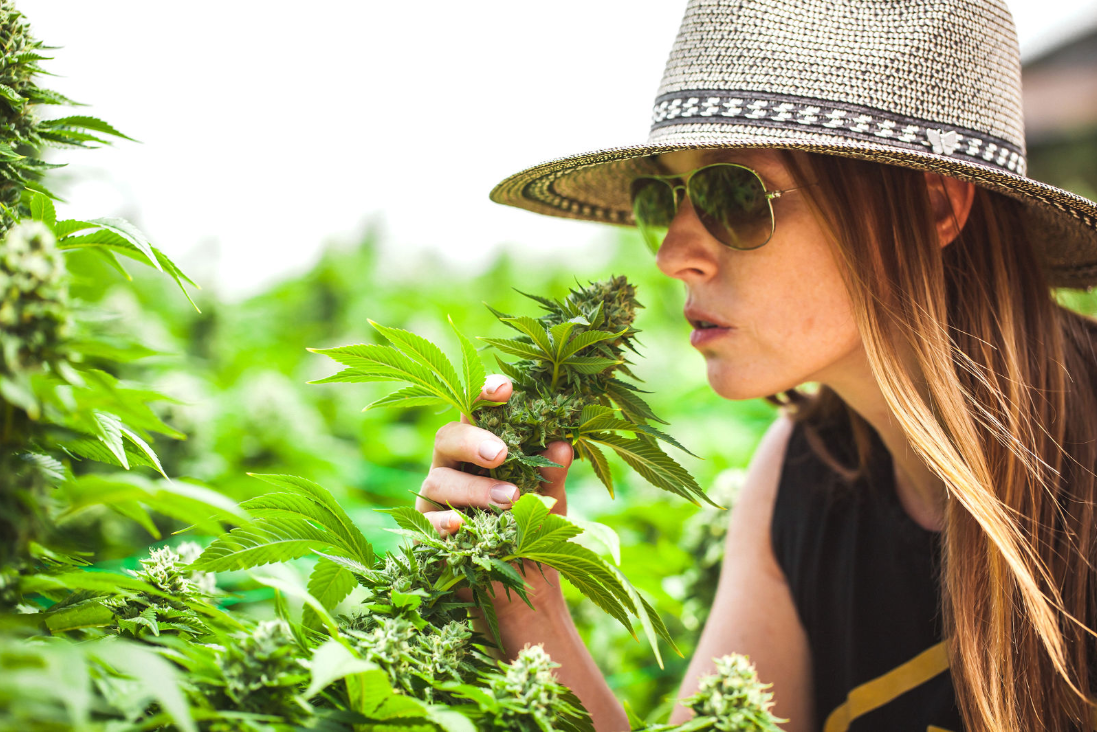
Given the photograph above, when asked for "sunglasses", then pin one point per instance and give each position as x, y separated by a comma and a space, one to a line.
730, 200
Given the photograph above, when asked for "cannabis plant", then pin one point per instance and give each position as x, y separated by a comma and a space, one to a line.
161, 647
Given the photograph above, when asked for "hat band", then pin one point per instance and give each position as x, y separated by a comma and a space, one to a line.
804, 114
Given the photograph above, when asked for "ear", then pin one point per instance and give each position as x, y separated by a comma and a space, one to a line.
950, 200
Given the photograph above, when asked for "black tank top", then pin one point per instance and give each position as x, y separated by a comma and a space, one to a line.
863, 577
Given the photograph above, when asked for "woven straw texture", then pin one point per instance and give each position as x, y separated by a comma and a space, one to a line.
925, 84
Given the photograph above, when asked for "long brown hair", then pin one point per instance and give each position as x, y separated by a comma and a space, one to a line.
1001, 403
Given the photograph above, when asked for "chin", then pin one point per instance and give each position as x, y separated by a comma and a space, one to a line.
742, 384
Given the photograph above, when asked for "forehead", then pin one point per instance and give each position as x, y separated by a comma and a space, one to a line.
765, 161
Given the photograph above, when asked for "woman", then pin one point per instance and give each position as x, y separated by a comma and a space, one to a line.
840, 185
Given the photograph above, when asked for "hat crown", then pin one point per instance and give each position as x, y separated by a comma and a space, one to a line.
939, 67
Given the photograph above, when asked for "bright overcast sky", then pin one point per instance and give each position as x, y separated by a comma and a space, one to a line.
269, 129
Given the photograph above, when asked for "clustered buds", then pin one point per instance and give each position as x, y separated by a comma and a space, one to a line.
34, 312
147, 613
733, 698
529, 683
261, 670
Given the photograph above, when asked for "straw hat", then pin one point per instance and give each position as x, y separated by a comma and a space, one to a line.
926, 84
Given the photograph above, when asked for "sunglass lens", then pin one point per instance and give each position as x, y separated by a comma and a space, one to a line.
653, 209
731, 202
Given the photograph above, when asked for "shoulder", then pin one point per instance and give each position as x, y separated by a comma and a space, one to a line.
750, 521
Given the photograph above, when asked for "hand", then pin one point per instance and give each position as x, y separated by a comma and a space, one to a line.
460, 442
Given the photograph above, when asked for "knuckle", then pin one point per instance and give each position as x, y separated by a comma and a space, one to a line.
430, 483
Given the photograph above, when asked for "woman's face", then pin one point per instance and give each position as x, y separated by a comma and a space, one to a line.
788, 318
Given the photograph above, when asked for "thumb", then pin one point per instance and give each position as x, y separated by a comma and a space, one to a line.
559, 452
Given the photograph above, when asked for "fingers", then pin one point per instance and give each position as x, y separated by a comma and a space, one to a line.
497, 388
460, 442
457, 442
445, 522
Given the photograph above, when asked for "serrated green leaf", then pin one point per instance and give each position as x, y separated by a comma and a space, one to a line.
41, 208
660, 435
559, 334
388, 362
354, 567
529, 513
410, 396
473, 369
329, 583
144, 448
355, 376
517, 348
11, 95
262, 542
654, 465
631, 405
299, 506
594, 410
544, 302
357, 544
535, 331
429, 355
588, 338
552, 530
590, 364
85, 123
536, 461
133, 235
598, 462
108, 428
411, 520
591, 576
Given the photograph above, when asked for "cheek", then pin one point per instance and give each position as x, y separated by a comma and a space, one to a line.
800, 324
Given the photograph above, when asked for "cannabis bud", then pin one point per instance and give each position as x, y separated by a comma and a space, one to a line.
528, 690
146, 613
166, 569
733, 698
262, 672
34, 312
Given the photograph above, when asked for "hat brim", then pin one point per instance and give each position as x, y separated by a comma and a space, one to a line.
594, 186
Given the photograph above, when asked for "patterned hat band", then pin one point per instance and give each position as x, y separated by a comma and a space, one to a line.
800, 114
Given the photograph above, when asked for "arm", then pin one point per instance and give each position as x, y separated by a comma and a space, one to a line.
551, 624
553, 627
753, 613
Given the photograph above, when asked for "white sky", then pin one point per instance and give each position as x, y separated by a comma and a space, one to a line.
269, 129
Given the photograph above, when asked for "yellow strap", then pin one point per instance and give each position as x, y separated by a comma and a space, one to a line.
878, 692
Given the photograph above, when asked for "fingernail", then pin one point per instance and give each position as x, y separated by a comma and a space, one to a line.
491, 449
445, 522
493, 382
503, 493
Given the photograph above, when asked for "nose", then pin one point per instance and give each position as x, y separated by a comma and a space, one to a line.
688, 252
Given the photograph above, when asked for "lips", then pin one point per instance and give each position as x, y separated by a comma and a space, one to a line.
703, 320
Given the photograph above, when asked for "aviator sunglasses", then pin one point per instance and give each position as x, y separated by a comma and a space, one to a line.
730, 200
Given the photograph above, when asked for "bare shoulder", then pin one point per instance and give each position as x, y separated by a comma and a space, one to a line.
754, 507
